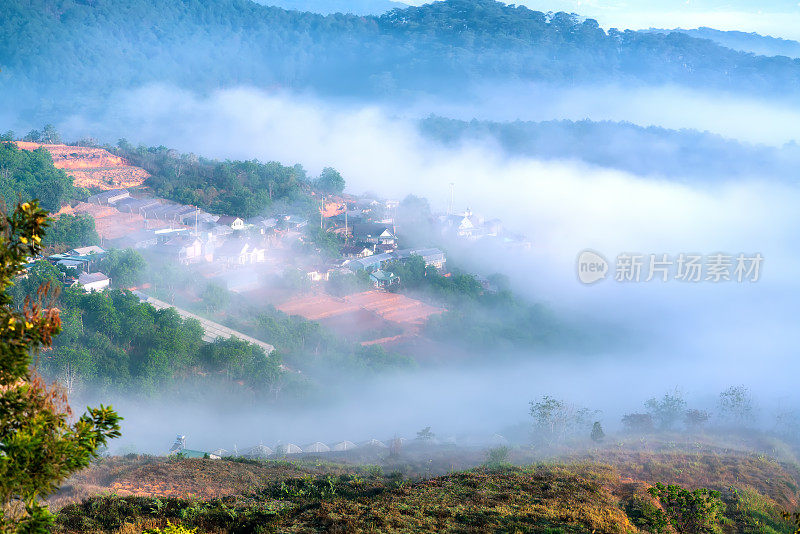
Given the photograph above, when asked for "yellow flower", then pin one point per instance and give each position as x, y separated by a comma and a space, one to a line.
23, 240
28, 325
37, 238
25, 206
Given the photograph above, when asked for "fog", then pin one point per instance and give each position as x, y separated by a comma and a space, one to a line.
700, 337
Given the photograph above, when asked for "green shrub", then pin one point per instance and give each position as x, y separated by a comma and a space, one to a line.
497, 457
691, 512
172, 529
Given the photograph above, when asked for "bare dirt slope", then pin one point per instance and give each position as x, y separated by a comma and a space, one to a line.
92, 167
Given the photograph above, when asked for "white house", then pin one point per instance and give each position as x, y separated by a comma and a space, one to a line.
86, 251
239, 252
93, 282
234, 223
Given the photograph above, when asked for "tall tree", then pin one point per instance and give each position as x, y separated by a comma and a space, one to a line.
330, 181
39, 448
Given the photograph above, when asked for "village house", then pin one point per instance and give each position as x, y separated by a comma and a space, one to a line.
93, 282
234, 223
291, 222
87, 251
356, 251
183, 249
318, 276
82, 259
383, 279
374, 234
371, 263
108, 198
136, 205
138, 240
433, 257
265, 226
239, 252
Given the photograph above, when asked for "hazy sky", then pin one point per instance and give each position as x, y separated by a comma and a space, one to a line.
779, 18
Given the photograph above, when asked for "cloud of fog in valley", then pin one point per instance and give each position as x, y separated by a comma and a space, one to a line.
750, 120
702, 337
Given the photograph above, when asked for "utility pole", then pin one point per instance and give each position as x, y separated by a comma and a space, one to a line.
345, 223
321, 212
452, 196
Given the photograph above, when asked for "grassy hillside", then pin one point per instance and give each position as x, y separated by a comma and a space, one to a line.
609, 493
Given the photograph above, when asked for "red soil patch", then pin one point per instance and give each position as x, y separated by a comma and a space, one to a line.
363, 312
389, 306
316, 307
394, 307
91, 167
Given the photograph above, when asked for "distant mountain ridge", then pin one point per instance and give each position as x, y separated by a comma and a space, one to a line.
327, 7
762, 45
61, 54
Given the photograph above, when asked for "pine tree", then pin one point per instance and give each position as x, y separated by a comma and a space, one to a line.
597, 432
41, 444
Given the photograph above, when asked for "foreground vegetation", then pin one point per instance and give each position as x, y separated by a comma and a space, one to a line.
41, 441
605, 495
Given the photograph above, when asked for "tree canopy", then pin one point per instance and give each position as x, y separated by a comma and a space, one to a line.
95, 48
31, 174
240, 188
40, 445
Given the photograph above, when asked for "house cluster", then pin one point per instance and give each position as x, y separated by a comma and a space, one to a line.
370, 232
220, 246
81, 268
193, 236
472, 227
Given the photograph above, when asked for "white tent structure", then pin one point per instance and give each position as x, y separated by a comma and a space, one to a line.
344, 446
220, 452
289, 448
374, 443
317, 446
259, 451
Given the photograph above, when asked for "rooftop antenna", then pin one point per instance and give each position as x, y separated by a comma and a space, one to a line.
452, 196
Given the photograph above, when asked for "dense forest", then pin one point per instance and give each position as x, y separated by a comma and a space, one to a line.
762, 45
112, 340
30, 174
95, 48
241, 188
679, 154
326, 7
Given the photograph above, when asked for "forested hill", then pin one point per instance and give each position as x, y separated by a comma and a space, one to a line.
357, 7
55, 52
762, 45
677, 154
